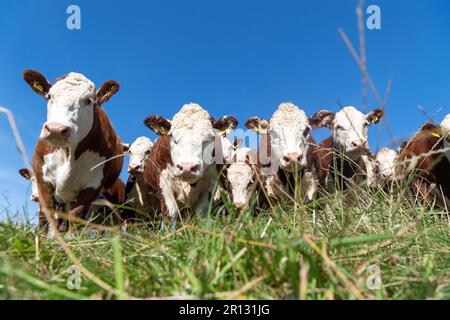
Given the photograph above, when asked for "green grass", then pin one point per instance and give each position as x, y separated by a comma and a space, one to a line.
323, 251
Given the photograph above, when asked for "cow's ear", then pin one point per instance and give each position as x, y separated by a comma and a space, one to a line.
322, 118
257, 124
225, 124
158, 124
374, 116
428, 126
26, 173
107, 90
125, 147
37, 82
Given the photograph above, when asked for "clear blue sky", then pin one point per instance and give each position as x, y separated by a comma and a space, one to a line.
234, 57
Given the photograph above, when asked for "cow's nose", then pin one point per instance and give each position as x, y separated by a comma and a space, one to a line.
34, 198
360, 144
134, 169
240, 205
292, 157
188, 167
56, 131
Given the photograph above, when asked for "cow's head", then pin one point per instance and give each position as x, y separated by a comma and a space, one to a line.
138, 152
28, 175
70, 105
386, 162
241, 177
289, 131
445, 124
350, 128
192, 132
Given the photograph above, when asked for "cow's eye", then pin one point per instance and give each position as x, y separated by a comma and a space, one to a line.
87, 101
48, 96
339, 128
306, 132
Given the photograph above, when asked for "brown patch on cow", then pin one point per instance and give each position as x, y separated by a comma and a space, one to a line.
158, 160
116, 193
103, 139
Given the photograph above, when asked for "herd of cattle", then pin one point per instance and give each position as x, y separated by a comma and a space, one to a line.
78, 157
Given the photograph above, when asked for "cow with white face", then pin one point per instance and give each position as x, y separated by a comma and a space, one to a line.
180, 169
138, 152
286, 145
241, 178
138, 196
386, 162
75, 140
29, 175
346, 153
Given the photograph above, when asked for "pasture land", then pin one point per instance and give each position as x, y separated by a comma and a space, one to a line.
370, 244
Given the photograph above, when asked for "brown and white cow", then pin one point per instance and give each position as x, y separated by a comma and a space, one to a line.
138, 195
426, 157
74, 141
284, 154
180, 169
29, 175
345, 156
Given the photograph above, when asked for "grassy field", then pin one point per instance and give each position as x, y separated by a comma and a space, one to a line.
368, 245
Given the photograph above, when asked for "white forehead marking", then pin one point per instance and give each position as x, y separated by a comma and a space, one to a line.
241, 154
192, 117
239, 173
288, 115
350, 117
140, 145
73, 85
445, 124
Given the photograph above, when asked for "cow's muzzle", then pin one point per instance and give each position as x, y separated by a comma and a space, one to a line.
56, 133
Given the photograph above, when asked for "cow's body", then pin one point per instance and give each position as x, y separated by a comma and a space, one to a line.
344, 158
67, 160
425, 157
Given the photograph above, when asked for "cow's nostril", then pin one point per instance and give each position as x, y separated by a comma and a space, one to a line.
65, 132
195, 168
180, 167
286, 159
354, 144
